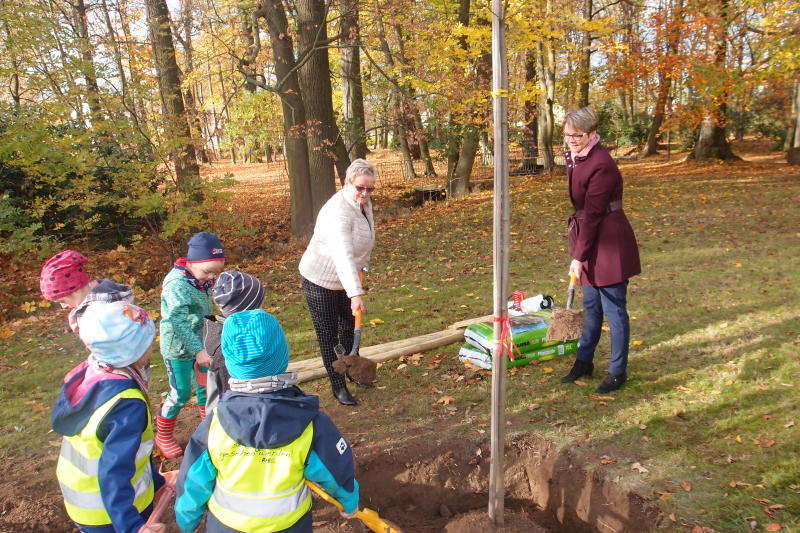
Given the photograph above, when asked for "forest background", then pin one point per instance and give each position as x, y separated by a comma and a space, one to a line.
108, 106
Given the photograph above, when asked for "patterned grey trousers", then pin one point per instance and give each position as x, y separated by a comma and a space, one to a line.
334, 323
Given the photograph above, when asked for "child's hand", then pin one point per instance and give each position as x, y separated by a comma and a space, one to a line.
158, 527
202, 358
350, 515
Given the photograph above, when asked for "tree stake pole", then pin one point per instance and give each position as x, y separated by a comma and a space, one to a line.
502, 219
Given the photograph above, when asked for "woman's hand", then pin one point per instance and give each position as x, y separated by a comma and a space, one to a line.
575, 266
350, 515
356, 303
202, 358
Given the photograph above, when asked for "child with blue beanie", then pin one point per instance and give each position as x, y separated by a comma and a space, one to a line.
104, 469
247, 462
185, 301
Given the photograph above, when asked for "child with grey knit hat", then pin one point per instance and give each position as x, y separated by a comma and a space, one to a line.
233, 292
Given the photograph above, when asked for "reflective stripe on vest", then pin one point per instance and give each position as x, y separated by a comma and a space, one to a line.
79, 462
259, 490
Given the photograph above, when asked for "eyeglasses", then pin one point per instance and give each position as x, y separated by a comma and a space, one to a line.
362, 190
575, 135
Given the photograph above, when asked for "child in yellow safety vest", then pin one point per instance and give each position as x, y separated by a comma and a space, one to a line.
104, 469
247, 462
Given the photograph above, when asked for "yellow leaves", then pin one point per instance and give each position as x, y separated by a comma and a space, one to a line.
28, 307
637, 343
376, 321
44, 304
579, 383
398, 310
6, 333
445, 400
155, 315
547, 370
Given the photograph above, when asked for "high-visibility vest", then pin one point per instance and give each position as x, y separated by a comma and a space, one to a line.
258, 490
79, 462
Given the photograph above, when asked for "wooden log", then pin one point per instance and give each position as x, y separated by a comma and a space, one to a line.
309, 369
464, 323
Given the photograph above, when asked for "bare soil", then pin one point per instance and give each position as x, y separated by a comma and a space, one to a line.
426, 484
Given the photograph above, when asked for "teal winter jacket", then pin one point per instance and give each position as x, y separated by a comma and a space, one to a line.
183, 308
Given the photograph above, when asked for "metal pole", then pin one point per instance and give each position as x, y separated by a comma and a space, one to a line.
502, 219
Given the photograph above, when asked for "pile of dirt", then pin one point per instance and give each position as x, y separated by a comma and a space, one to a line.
479, 522
565, 325
359, 368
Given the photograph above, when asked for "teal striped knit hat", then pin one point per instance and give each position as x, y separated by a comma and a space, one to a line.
254, 345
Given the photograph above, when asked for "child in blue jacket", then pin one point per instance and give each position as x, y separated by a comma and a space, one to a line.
104, 468
247, 462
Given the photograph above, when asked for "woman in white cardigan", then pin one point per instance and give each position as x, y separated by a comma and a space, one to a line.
344, 236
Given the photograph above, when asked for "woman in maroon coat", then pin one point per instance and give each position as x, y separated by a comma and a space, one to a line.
602, 245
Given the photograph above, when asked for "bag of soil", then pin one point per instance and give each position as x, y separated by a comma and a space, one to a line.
527, 332
483, 359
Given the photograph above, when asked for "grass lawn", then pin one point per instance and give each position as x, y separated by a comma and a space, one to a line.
708, 425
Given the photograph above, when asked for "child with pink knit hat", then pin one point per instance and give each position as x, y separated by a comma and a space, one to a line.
64, 280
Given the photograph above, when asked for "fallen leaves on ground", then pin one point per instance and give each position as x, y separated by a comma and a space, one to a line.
639, 468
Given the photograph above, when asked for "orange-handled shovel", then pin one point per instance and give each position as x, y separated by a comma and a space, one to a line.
370, 518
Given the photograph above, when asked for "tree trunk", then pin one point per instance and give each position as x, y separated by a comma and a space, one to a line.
586, 57
294, 119
396, 99
315, 81
188, 90
796, 106
547, 82
713, 141
673, 30
87, 61
352, 90
459, 185
187, 173
530, 146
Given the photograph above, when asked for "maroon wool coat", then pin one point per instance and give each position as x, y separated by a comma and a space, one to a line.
605, 242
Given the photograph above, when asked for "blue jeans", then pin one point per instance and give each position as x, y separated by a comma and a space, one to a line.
610, 301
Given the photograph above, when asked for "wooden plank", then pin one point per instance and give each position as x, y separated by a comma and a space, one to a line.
464, 323
309, 369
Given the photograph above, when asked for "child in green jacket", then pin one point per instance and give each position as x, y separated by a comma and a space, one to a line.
185, 301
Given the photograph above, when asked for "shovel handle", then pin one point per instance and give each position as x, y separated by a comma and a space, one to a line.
324, 495
573, 280
357, 314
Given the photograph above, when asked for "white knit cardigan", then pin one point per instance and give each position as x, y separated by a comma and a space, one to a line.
341, 246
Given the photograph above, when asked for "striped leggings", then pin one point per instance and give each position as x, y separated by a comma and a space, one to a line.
334, 323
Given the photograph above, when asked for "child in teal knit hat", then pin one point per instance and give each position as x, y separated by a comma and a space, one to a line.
247, 462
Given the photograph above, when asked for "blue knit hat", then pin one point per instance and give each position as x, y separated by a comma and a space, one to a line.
236, 291
205, 247
117, 333
254, 345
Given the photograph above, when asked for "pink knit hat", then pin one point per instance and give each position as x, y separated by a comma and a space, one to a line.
63, 274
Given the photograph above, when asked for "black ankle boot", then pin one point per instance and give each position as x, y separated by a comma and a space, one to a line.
344, 396
612, 383
579, 368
